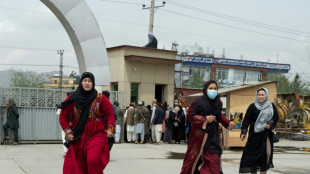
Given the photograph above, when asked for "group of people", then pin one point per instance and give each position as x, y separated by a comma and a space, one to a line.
153, 124
88, 119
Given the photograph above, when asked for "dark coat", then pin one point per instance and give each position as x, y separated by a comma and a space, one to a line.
13, 117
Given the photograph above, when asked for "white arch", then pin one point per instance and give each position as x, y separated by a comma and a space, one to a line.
85, 34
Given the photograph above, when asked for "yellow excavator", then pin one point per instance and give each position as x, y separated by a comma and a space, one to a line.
293, 116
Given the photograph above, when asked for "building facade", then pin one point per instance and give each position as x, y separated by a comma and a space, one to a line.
198, 69
68, 82
142, 73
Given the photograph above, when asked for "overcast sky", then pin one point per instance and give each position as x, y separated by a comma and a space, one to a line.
31, 34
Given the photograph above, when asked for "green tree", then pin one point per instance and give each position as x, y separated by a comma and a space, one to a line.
284, 85
28, 79
196, 80
283, 82
297, 85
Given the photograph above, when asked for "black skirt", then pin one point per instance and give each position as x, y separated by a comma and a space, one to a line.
254, 157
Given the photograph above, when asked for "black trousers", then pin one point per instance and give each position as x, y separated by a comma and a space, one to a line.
111, 142
14, 130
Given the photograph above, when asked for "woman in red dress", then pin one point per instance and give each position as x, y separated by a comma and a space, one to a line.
204, 144
92, 124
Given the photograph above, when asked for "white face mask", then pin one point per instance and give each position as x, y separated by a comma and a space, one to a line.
212, 94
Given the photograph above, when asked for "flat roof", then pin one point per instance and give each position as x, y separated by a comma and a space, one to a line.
142, 48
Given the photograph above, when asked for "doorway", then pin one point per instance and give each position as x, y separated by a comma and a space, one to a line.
160, 92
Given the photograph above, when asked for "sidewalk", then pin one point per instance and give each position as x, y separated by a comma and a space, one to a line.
289, 157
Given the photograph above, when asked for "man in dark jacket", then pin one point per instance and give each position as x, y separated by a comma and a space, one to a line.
158, 122
152, 41
12, 121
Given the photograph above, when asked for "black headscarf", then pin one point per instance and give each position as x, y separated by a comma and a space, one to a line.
205, 106
83, 100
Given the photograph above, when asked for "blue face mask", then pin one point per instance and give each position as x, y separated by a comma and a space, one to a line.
212, 94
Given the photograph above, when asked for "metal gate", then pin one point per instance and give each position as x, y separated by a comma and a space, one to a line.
37, 109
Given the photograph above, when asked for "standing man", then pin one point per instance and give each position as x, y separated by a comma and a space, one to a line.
147, 118
139, 123
152, 117
158, 122
152, 41
12, 122
118, 122
129, 116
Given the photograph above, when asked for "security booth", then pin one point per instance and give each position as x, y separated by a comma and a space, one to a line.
142, 73
238, 98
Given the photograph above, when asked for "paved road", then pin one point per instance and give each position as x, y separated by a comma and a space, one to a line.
291, 157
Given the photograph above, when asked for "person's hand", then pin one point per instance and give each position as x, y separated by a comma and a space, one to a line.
242, 137
70, 137
267, 126
204, 125
152, 123
109, 133
211, 118
198, 118
231, 125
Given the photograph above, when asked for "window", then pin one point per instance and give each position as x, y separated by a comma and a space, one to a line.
222, 74
134, 92
114, 86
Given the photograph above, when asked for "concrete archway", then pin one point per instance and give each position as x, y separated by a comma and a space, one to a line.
85, 35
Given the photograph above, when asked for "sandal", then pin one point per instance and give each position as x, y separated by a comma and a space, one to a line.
15, 143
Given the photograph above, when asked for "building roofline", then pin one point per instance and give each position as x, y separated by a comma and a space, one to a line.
142, 48
155, 59
232, 88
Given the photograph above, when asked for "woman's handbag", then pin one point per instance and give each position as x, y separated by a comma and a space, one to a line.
276, 137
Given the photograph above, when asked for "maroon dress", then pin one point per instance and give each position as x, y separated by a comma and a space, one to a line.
90, 154
197, 138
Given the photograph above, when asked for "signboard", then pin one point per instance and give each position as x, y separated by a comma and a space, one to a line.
207, 61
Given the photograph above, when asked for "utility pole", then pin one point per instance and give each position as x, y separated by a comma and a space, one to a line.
61, 53
152, 8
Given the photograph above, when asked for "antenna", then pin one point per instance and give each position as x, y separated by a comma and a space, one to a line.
308, 53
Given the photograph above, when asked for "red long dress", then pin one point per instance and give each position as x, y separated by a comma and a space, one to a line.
211, 162
90, 154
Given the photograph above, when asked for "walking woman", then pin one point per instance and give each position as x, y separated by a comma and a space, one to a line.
204, 144
262, 117
89, 150
12, 122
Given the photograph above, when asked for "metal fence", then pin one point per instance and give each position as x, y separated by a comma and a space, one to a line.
37, 109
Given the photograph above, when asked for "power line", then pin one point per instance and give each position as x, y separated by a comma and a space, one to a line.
250, 22
25, 10
122, 2
210, 37
233, 26
29, 48
11, 64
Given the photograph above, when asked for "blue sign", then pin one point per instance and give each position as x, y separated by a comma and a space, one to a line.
207, 61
